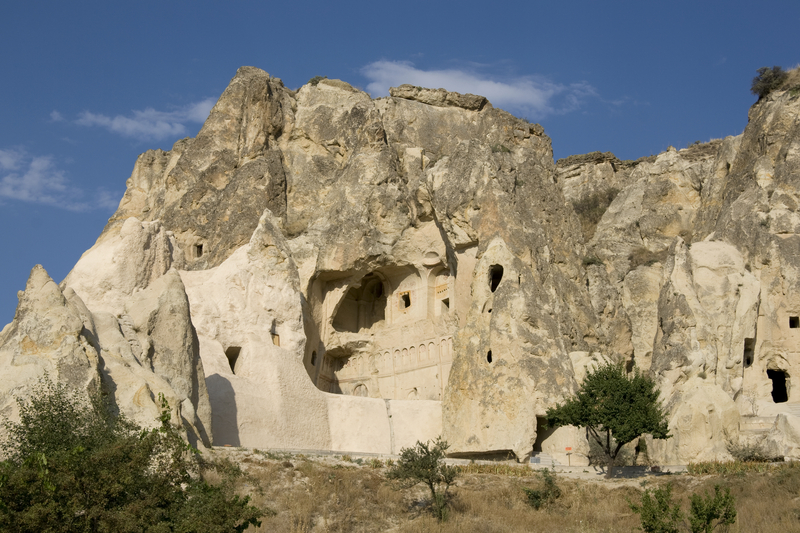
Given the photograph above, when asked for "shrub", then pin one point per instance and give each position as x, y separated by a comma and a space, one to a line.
316, 79
73, 466
591, 209
591, 260
657, 511
708, 512
549, 493
768, 80
642, 256
749, 452
424, 463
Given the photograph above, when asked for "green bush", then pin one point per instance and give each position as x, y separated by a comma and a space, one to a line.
657, 511
708, 512
316, 79
659, 514
72, 465
549, 493
424, 463
768, 80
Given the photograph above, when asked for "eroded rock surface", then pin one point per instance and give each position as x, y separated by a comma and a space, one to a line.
357, 274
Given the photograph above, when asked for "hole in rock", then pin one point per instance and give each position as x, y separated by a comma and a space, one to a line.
276, 339
779, 391
446, 303
495, 275
232, 353
361, 390
489, 356
405, 300
749, 351
794, 322
198, 251
313, 358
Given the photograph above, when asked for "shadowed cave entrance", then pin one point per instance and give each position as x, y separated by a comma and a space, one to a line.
363, 307
779, 389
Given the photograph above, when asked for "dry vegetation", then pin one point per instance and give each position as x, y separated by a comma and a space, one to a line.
325, 495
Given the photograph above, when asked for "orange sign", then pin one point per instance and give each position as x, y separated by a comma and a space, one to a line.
569, 449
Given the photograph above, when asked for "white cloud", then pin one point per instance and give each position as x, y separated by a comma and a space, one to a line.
10, 159
55, 116
151, 124
532, 96
36, 179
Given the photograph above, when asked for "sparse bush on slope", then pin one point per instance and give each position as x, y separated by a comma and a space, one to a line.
768, 80
424, 463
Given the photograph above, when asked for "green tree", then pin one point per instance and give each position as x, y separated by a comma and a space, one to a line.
424, 463
73, 466
613, 405
768, 80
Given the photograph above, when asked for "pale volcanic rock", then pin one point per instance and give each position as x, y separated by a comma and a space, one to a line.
46, 340
169, 347
127, 257
357, 274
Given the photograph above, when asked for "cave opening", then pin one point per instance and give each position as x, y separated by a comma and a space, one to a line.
489, 356
495, 275
362, 307
232, 353
198, 251
779, 390
314, 358
749, 351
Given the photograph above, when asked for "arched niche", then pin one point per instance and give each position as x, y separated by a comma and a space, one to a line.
364, 306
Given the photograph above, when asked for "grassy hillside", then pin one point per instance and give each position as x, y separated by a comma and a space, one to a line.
329, 495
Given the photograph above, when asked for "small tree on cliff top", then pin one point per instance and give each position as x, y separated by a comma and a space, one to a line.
613, 404
768, 80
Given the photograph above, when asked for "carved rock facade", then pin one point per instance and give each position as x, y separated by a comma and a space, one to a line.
356, 275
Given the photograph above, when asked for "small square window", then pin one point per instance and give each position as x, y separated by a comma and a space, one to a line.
794, 322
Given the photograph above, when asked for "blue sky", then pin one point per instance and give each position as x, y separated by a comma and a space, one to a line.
87, 86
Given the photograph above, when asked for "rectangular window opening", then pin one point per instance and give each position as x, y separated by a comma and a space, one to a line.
749, 351
198, 251
405, 300
794, 322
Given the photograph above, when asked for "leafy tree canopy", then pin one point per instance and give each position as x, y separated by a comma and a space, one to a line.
615, 404
73, 466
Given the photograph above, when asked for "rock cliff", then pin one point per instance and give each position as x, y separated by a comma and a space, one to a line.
322, 270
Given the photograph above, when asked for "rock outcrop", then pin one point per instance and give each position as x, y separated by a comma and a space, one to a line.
322, 270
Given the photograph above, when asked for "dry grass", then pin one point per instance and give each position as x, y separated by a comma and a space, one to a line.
317, 496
